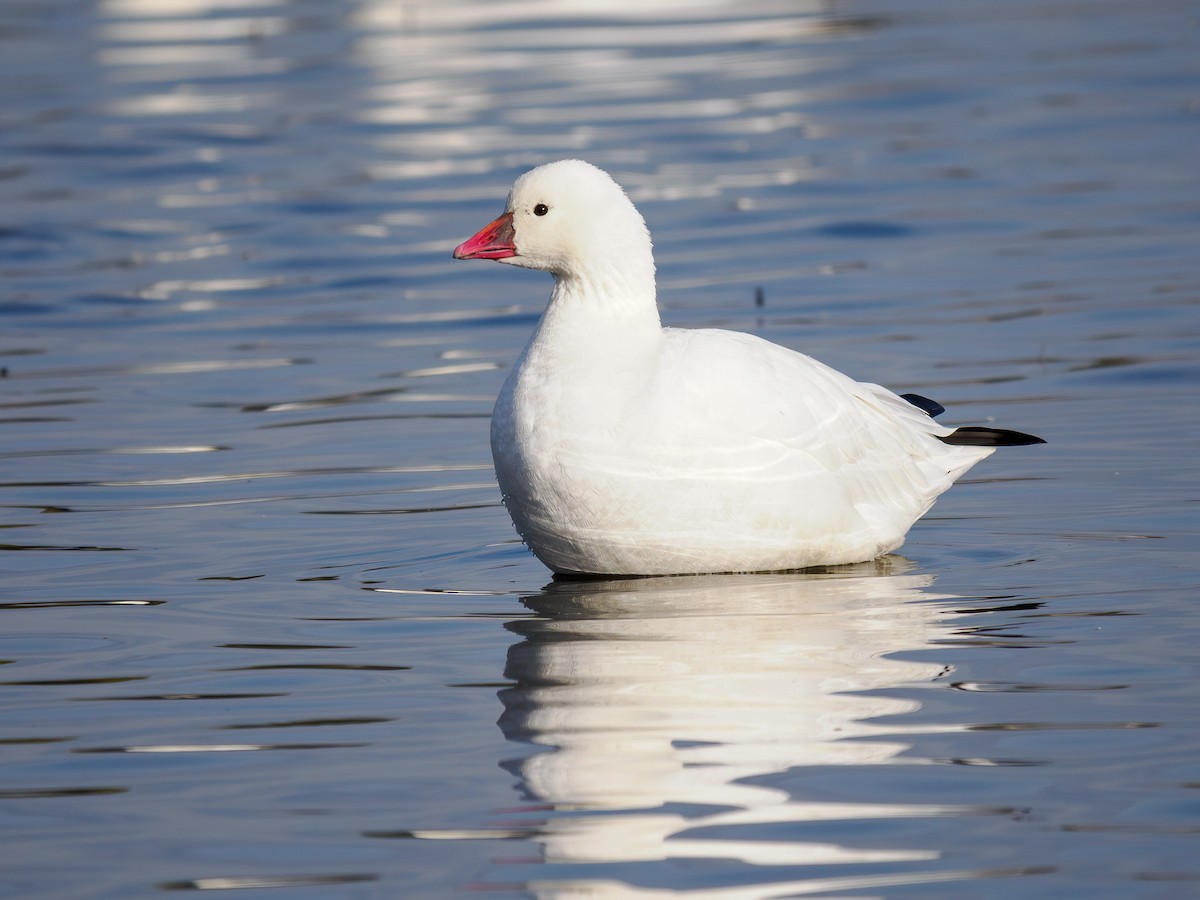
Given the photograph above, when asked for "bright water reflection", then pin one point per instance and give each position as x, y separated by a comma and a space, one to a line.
637, 682
677, 692
666, 702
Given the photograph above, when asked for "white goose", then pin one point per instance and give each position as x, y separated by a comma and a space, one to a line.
626, 448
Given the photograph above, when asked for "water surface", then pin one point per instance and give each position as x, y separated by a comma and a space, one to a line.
266, 626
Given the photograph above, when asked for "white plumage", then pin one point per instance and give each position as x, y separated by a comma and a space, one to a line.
622, 447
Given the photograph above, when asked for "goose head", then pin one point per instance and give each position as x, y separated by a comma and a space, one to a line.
572, 220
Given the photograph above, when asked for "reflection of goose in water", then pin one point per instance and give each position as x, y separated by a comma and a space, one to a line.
666, 691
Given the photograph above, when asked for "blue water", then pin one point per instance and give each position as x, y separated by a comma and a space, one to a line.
264, 624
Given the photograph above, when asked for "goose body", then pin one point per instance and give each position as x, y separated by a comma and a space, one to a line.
625, 448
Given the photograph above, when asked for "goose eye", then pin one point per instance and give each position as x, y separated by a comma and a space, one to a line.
541, 209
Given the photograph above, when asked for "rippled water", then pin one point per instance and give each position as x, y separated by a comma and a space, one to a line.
265, 625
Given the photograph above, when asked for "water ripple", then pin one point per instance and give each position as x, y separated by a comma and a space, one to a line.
250, 882
33, 793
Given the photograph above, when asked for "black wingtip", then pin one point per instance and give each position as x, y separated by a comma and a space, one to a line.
976, 436
973, 435
927, 406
